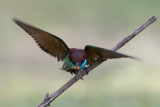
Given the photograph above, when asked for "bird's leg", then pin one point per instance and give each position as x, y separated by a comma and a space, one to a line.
85, 68
71, 72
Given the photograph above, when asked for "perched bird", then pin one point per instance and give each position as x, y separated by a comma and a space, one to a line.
75, 60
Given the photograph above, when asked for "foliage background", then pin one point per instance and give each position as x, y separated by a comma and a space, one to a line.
27, 73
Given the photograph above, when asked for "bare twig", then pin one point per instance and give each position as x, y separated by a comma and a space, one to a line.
48, 99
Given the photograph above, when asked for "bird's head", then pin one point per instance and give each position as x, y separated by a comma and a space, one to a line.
78, 58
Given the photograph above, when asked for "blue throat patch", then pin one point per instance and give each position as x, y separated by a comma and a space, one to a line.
83, 65
72, 64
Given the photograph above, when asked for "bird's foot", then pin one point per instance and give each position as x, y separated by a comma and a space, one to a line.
85, 68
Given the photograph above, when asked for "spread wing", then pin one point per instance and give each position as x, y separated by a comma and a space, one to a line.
94, 53
47, 42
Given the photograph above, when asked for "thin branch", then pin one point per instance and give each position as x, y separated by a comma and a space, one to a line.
48, 99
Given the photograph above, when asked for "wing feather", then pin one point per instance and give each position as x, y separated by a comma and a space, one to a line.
94, 53
47, 42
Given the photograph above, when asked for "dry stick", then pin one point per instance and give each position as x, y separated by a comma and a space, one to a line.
48, 99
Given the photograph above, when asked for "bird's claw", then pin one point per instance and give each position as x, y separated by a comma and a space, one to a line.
85, 68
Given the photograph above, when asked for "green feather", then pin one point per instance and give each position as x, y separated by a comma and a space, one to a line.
67, 63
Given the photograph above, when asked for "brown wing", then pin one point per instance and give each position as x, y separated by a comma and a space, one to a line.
94, 53
47, 42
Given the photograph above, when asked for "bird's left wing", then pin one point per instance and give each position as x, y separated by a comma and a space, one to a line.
47, 42
94, 53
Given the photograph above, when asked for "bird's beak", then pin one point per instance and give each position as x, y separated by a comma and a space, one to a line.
77, 66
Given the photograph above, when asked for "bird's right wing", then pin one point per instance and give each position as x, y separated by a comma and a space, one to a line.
94, 53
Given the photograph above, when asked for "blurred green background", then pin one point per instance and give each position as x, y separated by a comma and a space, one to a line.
27, 73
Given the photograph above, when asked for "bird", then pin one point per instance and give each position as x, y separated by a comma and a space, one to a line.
74, 60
